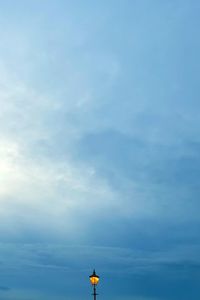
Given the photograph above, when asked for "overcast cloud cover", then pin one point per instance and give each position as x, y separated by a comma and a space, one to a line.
99, 149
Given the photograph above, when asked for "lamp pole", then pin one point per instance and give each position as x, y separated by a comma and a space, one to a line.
95, 294
94, 279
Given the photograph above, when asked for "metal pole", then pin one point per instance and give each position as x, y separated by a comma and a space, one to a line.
95, 294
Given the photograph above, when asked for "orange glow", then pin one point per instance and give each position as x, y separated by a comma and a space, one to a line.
94, 280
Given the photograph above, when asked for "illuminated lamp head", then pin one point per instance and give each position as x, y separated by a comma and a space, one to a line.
94, 278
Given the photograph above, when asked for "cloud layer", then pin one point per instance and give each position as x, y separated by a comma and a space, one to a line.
99, 149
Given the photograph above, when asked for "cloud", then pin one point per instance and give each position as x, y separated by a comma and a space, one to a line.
114, 260
99, 149
65, 266
46, 185
153, 179
4, 288
47, 190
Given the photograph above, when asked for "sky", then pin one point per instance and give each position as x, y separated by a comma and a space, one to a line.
99, 149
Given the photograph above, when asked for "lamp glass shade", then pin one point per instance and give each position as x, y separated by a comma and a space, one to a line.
94, 279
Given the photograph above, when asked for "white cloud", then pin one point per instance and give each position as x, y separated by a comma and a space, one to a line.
36, 189
50, 192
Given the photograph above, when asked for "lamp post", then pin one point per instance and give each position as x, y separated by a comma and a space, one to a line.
94, 279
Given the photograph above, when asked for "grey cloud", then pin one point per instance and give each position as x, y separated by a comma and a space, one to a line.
138, 158
167, 172
4, 288
79, 258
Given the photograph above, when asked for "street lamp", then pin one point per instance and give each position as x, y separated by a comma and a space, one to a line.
94, 279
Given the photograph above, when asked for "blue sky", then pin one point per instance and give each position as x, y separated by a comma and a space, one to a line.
99, 149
